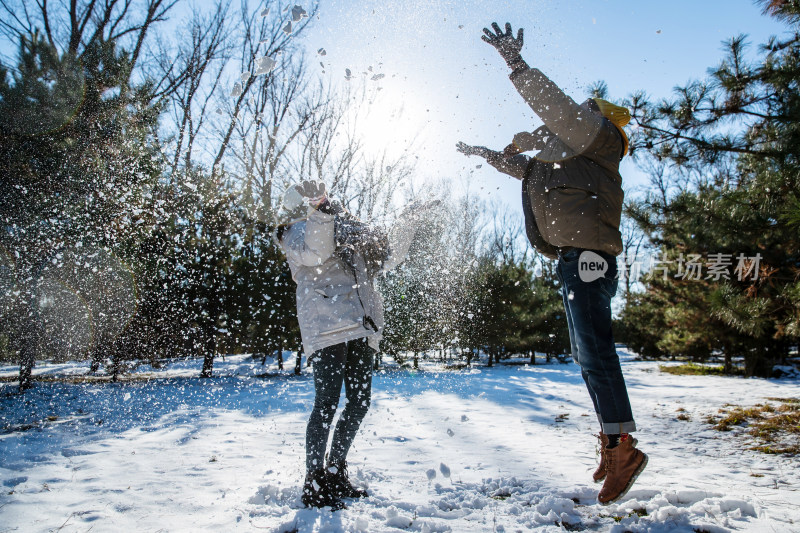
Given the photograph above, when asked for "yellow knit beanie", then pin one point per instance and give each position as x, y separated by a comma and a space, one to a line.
618, 115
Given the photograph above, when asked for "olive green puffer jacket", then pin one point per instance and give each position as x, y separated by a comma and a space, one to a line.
572, 189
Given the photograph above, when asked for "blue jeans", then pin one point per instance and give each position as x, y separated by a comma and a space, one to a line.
588, 309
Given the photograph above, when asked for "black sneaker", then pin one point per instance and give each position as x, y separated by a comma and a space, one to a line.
340, 484
317, 492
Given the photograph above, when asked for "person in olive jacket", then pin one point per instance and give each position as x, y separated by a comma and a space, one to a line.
572, 201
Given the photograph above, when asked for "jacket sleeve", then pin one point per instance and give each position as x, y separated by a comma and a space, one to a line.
514, 166
535, 140
312, 243
576, 126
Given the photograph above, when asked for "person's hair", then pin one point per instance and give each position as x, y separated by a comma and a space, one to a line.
280, 230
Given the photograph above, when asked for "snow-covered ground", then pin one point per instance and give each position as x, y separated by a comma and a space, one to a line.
502, 449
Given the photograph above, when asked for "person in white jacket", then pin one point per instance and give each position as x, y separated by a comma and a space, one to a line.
334, 260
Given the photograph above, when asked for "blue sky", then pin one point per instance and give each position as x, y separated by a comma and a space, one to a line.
443, 84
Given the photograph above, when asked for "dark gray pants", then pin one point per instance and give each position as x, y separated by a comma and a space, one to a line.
349, 363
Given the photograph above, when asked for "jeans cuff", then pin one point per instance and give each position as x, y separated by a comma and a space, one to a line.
616, 428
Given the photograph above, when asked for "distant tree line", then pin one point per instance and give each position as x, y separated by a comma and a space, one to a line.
489, 297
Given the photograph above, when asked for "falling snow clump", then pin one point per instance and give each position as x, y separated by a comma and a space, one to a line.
298, 13
265, 65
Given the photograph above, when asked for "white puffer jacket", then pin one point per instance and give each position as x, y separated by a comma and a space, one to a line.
335, 301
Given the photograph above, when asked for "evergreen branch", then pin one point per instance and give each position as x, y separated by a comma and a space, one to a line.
706, 145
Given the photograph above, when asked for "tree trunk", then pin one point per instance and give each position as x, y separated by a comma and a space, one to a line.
533, 357
416, 360
115, 368
298, 363
280, 359
95, 364
26, 364
208, 359
728, 364
489, 363
28, 351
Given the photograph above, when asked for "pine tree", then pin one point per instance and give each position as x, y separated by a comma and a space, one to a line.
728, 182
76, 168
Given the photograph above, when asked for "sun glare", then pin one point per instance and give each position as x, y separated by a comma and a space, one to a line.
392, 121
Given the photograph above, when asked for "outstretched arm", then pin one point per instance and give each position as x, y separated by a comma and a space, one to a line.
507, 162
576, 126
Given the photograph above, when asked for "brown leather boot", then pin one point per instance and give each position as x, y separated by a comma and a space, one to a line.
600, 474
624, 463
